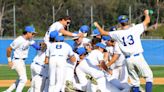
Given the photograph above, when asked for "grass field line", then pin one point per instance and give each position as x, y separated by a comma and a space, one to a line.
7, 83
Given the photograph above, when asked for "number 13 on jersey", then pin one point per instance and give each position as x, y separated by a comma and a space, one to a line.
128, 40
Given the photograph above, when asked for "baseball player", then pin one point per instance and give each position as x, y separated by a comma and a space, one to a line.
39, 71
56, 55
116, 60
21, 47
80, 41
92, 65
69, 70
60, 26
130, 44
82, 81
84, 29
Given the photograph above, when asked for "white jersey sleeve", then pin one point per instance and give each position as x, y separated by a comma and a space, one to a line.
16, 43
139, 28
21, 47
57, 26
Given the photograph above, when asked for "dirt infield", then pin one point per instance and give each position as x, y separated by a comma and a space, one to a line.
7, 83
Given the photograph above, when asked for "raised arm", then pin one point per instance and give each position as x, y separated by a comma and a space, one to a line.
100, 29
147, 18
67, 33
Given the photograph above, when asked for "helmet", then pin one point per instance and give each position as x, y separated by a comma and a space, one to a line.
122, 19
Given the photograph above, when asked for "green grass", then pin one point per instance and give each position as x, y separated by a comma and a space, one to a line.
4, 88
158, 71
8, 74
156, 88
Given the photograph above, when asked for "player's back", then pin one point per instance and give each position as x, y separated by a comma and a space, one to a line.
95, 57
60, 49
129, 39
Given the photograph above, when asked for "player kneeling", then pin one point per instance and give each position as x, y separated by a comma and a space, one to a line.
39, 71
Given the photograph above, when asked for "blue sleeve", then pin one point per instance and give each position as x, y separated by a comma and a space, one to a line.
36, 46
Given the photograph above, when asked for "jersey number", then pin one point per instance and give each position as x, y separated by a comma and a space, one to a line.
128, 40
58, 46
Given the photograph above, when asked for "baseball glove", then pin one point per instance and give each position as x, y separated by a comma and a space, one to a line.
43, 46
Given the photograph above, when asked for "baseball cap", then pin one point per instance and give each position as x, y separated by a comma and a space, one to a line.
95, 32
84, 29
30, 29
81, 51
54, 34
122, 19
59, 38
106, 38
101, 45
113, 28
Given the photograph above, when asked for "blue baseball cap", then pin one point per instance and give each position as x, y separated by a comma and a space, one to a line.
122, 19
95, 32
81, 51
59, 38
113, 28
101, 45
54, 34
30, 29
106, 38
84, 29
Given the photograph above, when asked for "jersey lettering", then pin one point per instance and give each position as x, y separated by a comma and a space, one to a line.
128, 40
58, 46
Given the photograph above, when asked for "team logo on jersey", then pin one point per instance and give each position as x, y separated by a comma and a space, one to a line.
58, 46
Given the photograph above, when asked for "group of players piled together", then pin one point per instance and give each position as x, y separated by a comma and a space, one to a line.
98, 64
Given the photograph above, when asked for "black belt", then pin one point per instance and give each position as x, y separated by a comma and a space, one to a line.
133, 55
40, 64
20, 58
